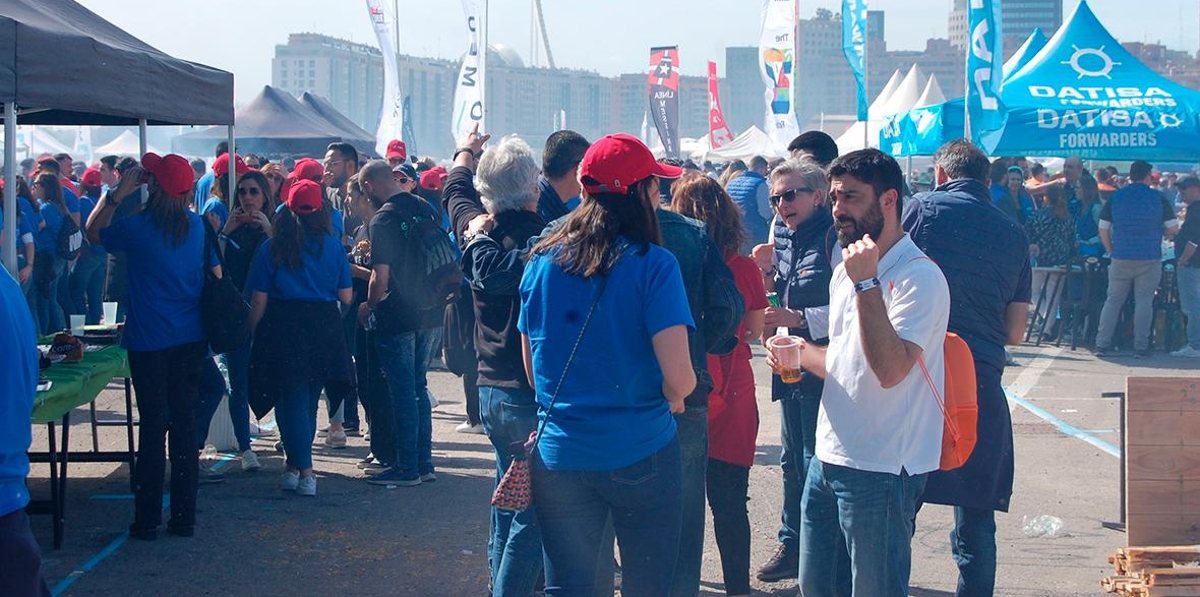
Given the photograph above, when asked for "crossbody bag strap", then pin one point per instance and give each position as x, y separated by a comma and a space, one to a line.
567, 366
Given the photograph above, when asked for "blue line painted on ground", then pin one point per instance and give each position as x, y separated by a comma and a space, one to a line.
95, 560
1063, 426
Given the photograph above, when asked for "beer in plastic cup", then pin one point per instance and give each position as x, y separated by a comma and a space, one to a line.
110, 313
787, 355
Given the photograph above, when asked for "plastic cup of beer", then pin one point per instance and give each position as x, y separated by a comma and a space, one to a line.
787, 355
110, 313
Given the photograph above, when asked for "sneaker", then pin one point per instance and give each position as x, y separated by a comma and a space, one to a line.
1103, 351
208, 476
378, 468
365, 462
467, 427
393, 477
307, 486
429, 477
336, 440
289, 481
433, 401
1142, 353
784, 564
1186, 351
249, 461
322, 432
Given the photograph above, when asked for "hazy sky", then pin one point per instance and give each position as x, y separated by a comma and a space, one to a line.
609, 36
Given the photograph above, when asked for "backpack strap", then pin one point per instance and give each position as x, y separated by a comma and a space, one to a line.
950, 424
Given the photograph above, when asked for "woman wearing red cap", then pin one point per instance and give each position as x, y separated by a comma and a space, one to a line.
166, 254
87, 279
298, 277
604, 321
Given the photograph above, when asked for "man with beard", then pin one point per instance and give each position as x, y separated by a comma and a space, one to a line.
985, 258
879, 427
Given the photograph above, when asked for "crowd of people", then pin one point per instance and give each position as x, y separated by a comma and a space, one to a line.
601, 308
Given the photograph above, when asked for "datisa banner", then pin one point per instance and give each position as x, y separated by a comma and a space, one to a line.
664, 96
854, 46
777, 59
469, 92
985, 67
391, 113
719, 134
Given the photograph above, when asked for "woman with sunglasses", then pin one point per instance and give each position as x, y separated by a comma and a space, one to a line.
275, 174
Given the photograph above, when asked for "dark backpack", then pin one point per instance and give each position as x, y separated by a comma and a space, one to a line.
431, 258
70, 238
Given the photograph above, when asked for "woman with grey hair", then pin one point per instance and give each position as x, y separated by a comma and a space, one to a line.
507, 178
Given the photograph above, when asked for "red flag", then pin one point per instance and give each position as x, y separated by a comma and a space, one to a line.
719, 134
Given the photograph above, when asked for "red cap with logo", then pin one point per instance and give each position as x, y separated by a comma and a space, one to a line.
433, 178
173, 172
221, 166
91, 177
397, 149
617, 162
304, 197
308, 169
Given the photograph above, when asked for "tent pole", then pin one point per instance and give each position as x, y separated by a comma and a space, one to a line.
908, 170
142, 136
231, 189
10, 187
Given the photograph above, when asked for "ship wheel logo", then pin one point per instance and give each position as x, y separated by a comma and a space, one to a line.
1104, 71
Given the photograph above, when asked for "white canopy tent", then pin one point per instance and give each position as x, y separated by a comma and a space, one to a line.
901, 98
931, 95
753, 141
126, 144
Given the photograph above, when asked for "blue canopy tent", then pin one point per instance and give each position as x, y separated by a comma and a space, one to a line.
1024, 54
1082, 94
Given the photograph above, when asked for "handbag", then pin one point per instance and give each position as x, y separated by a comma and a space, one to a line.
514, 492
224, 312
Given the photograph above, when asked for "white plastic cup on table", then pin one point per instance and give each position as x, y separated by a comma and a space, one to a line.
110, 313
77, 323
787, 355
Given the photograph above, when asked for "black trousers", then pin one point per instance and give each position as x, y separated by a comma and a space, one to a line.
167, 382
373, 394
728, 492
20, 558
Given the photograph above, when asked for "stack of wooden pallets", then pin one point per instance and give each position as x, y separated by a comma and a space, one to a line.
1159, 571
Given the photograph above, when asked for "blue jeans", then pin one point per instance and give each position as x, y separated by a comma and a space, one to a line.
49, 313
1189, 301
798, 443
296, 414
874, 513
973, 543
644, 502
515, 545
87, 285
403, 359
692, 426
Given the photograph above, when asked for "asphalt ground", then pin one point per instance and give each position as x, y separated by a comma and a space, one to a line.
357, 539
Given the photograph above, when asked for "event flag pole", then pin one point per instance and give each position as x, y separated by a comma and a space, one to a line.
10, 187
231, 190
866, 80
142, 145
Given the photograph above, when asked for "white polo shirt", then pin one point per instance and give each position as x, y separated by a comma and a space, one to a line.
861, 425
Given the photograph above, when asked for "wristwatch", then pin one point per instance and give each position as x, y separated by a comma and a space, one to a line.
469, 236
865, 285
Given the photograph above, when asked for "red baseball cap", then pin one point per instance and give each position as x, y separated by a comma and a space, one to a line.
433, 178
91, 177
397, 149
617, 162
221, 166
308, 169
304, 197
173, 172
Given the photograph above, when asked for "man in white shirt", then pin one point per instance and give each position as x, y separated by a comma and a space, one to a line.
880, 427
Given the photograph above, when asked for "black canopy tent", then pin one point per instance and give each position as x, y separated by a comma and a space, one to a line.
127, 82
273, 123
362, 140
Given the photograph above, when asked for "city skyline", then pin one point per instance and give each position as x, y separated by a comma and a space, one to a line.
703, 32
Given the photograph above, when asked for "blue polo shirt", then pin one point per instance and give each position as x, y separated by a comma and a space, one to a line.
324, 270
611, 411
18, 344
1137, 215
47, 237
164, 281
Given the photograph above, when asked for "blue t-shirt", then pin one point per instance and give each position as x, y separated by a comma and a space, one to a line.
204, 188
18, 343
86, 205
214, 205
71, 200
319, 278
611, 411
164, 280
47, 238
336, 220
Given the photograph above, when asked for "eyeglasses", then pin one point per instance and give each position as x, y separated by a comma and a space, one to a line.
249, 191
789, 195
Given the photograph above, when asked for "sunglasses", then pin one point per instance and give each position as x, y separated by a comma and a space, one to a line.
401, 179
249, 191
789, 195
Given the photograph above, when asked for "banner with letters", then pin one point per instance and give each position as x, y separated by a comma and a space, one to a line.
469, 92
664, 96
854, 46
985, 64
777, 64
719, 134
391, 116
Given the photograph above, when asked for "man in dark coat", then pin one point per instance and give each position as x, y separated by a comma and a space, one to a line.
985, 258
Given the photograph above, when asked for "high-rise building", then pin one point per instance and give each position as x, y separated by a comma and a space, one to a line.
1019, 19
742, 97
347, 74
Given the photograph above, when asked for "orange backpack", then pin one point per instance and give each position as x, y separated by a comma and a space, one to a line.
960, 408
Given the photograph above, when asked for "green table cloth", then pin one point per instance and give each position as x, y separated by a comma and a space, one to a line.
77, 384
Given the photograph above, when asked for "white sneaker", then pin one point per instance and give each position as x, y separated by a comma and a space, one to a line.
307, 486
1186, 351
467, 427
249, 461
290, 481
336, 439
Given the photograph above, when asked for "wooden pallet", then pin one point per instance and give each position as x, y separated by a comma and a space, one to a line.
1162, 460
1155, 571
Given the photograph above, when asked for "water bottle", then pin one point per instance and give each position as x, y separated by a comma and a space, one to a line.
1042, 525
